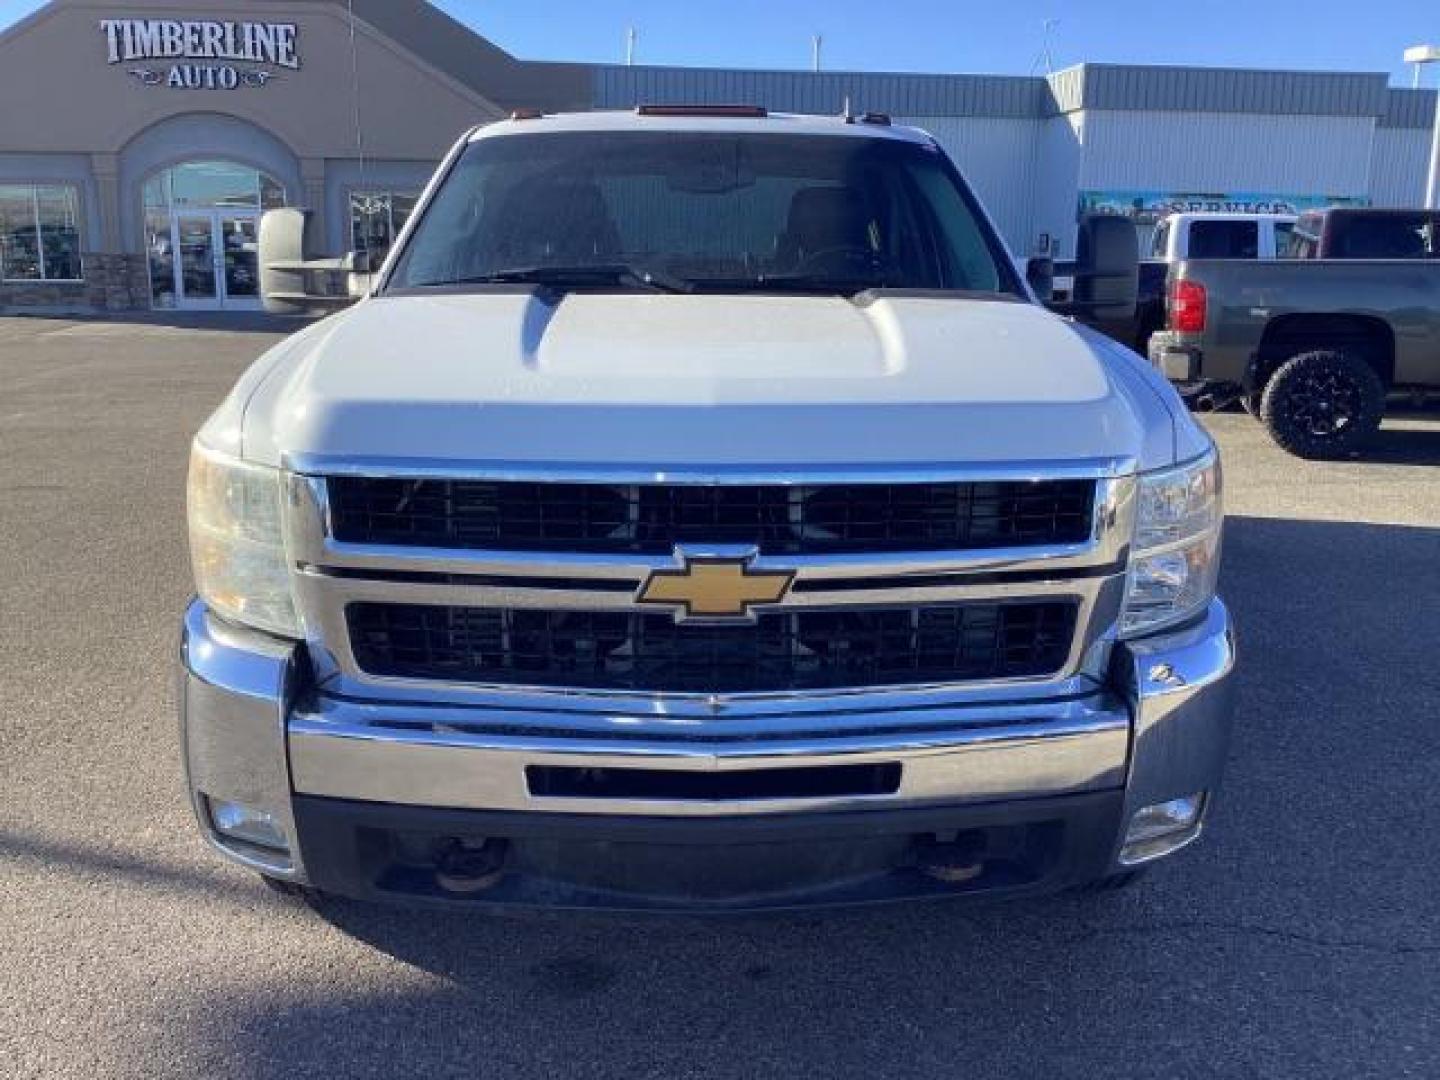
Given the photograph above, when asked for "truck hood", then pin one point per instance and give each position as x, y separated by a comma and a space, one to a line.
651, 381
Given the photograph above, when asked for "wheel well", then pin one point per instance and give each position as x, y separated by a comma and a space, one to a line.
1366, 336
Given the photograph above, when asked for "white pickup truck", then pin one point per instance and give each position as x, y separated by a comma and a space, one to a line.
702, 512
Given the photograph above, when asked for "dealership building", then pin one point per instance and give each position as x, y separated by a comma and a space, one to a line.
140, 141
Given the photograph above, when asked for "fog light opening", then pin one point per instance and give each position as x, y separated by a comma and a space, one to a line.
247, 824
1160, 828
954, 862
469, 865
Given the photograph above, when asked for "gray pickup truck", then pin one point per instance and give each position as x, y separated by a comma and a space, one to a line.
1312, 347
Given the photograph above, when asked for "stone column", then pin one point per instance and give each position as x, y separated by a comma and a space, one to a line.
312, 175
106, 168
109, 285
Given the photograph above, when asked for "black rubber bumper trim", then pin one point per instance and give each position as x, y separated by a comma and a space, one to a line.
337, 836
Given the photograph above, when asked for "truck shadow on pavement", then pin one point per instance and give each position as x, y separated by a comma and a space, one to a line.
1404, 446
1283, 944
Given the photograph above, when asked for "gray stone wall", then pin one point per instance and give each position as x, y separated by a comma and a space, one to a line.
117, 282
43, 296
113, 282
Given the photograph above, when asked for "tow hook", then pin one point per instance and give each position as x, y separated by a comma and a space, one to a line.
469, 865
954, 861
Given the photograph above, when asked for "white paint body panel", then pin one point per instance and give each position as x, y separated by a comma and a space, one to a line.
654, 381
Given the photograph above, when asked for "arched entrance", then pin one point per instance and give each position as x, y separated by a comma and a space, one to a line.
202, 224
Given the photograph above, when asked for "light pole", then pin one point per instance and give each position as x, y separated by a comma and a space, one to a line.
1425, 54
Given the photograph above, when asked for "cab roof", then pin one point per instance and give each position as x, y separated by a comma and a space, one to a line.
702, 119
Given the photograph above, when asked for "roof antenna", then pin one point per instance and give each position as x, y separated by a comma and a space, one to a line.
630, 36
815, 44
1047, 31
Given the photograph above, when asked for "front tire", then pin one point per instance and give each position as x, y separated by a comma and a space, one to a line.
1323, 404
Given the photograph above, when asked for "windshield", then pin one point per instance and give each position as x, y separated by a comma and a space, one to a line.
704, 212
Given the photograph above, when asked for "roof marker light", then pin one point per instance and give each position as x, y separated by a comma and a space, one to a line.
747, 112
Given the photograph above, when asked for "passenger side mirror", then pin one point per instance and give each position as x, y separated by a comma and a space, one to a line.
1040, 276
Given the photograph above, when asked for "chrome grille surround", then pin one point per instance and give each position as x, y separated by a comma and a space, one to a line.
329, 575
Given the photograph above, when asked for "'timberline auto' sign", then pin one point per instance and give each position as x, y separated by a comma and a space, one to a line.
238, 53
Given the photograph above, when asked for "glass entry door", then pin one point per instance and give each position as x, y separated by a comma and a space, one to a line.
216, 263
239, 238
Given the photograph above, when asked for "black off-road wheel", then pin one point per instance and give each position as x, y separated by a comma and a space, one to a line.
1323, 404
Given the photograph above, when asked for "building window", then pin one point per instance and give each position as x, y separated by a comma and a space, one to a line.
39, 233
212, 185
377, 217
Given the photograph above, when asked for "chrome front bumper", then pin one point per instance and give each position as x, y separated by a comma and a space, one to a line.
257, 732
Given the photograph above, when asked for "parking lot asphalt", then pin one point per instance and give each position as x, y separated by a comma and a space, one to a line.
1300, 938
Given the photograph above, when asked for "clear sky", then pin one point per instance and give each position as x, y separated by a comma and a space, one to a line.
1003, 36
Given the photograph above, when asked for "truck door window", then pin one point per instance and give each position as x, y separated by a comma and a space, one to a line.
1159, 246
1224, 240
1387, 236
1283, 232
1305, 237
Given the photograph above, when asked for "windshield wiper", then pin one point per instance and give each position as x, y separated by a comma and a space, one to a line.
800, 283
579, 276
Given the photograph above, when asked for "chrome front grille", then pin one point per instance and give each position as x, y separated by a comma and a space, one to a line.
509, 515
455, 604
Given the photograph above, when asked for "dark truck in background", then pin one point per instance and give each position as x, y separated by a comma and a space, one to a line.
1313, 347
1365, 233
1336, 233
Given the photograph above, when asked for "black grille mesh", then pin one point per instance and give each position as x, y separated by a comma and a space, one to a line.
653, 518
650, 652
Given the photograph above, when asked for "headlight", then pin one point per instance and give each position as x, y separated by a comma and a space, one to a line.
237, 545
1176, 554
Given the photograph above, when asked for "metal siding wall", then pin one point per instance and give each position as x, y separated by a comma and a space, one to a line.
1067, 89
823, 92
1406, 108
1230, 90
1226, 152
1398, 166
998, 158
1057, 180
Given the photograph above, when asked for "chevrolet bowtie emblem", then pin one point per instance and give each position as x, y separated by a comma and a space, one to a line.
715, 588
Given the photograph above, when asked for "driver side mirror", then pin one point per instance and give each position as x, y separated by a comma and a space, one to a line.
1107, 269
1106, 274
